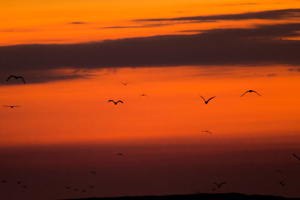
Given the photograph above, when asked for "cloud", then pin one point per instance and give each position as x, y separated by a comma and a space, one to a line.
240, 46
137, 26
272, 14
77, 23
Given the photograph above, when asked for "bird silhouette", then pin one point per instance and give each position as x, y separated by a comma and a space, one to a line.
19, 182
125, 83
206, 102
120, 154
219, 185
206, 131
296, 156
250, 91
91, 186
282, 183
4, 181
143, 95
115, 102
213, 189
67, 187
93, 172
16, 77
12, 106
25, 187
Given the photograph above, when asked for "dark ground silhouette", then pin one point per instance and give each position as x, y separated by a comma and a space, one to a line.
200, 196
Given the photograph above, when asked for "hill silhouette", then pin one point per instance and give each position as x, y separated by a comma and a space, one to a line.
200, 196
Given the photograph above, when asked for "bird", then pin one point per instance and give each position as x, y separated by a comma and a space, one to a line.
4, 181
120, 154
296, 156
91, 186
19, 182
115, 102
24, 187
206, 102
206, 131
279, 171
125, 83
143, 95
282, 183
67, 187
93, 172
16, 77
250, 91
213, 189
219, 185
12, 106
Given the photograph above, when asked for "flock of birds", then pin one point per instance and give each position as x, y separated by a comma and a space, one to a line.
218, 185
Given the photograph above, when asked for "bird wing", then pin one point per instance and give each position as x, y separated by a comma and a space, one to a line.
203, 98
9, 77
111, 101
245, 93
256, 93
119, 101
210, 98
296, 156
217, 184
21, 77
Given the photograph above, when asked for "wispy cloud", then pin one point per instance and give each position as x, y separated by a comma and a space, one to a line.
137, 26
77, 22
273, 14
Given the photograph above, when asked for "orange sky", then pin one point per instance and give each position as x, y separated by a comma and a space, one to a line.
50, 22
76, 55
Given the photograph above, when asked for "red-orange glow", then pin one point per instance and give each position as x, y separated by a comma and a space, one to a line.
78, 111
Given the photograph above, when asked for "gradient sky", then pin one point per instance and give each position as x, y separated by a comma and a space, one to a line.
76, 55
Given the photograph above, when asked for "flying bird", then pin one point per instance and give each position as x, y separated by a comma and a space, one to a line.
19, 182
115, 102
67, 187
24, 187
91, 186
213, 189
12, 106
206, 102
219, 185
296, 156
4, 181
125, 83
206, 131
250, 91
16, 77
120, 154
143, 95
282, 183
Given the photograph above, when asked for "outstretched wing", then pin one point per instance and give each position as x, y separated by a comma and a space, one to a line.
256, 93
9, 77
202, 98
21, 77
245, 93
210, 99
119, 101
111, 101
296, 156
217, 184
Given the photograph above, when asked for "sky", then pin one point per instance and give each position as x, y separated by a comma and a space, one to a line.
63, 138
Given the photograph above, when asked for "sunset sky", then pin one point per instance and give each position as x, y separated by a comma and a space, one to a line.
76, 55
